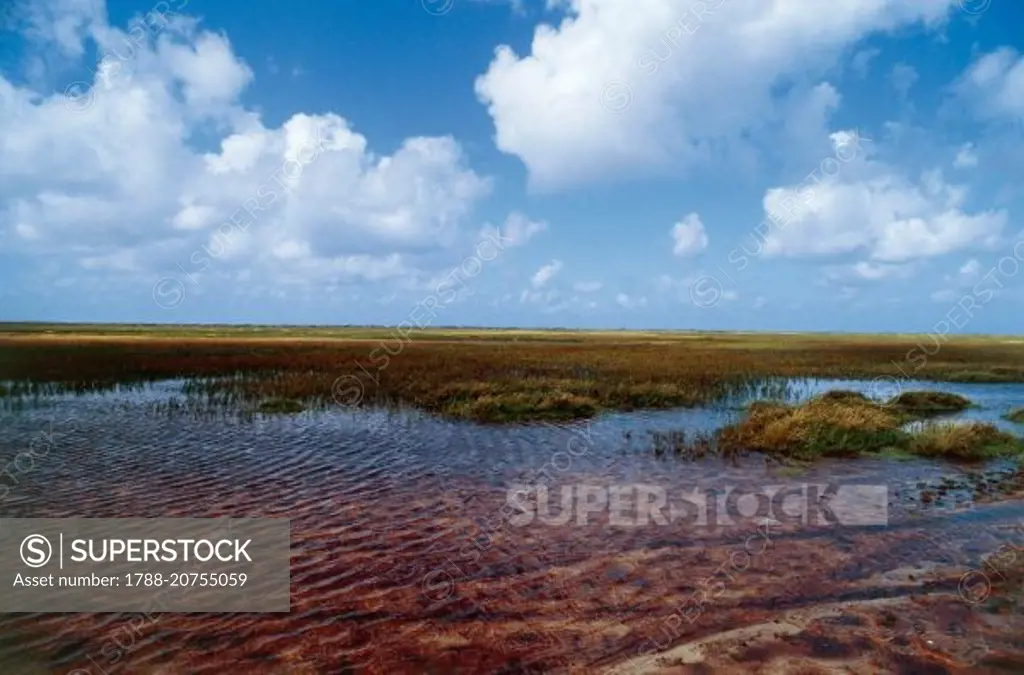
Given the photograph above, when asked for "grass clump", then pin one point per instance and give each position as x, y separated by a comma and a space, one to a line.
1016, 415
844, 396
820, 427
281, 406
972, 441
927, 403
842, 426
510, 407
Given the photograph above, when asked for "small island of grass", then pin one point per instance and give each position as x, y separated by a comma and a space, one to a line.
841, 424
844, 396
1016, 415
970, 441
927, 403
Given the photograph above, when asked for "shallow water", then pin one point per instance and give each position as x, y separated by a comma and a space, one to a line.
401, 561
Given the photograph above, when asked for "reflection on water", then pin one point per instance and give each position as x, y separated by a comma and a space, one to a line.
403, 562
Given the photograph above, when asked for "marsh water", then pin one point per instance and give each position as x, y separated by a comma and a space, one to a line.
402, 561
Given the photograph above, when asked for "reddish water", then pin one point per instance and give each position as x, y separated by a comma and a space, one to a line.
402, 563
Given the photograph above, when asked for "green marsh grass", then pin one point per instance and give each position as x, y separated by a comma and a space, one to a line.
839, 425
486, 375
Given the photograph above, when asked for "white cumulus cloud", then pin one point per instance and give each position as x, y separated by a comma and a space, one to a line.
993, 85
626, 85
869, 207
689, 236
113, 178
546, 273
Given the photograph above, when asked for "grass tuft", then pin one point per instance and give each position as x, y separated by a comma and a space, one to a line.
844, 396
820, 427
971, 442
1016, 415
538, 405
927, 403
840, 426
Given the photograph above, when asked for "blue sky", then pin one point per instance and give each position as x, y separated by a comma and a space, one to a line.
723, 164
